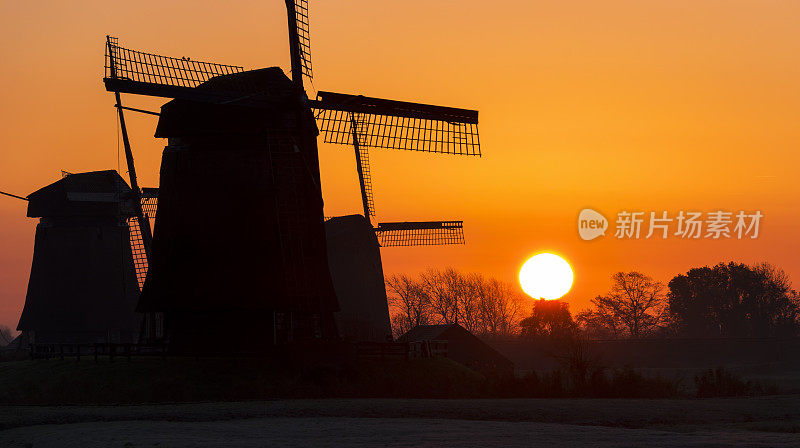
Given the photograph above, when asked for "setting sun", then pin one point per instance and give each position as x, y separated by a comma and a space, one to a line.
546, 276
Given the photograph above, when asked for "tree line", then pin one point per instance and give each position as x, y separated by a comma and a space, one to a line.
484, 306
726, 300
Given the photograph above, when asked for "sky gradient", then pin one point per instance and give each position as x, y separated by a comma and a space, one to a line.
615, 105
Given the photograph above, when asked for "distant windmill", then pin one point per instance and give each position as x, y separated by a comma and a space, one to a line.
82, 286
148, 203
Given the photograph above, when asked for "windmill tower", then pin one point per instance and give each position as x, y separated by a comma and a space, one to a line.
360, 121
83, 285
264, 264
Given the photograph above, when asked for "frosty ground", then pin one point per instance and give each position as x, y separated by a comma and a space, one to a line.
757, 421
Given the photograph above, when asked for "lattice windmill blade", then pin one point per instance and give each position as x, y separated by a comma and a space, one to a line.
364, 171
397, 124
299, 38
150, 202
366, 185
141, 73
424, 233
137, 250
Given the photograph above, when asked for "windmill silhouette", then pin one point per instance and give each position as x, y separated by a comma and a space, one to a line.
82, 285
365, 123
359, 121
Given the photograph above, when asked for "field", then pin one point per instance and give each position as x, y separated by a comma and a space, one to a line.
175, 379
187, 402
757, 421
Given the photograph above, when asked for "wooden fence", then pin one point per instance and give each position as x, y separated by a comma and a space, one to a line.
96, 350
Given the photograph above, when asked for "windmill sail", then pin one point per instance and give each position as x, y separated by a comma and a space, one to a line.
425, 233
149, 206
301, 34
360, 121
137, 250
362, 165
397, 124
366, 179
137, 72
150, 202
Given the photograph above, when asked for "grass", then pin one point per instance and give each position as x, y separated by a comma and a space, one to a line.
720, 382
151, 380
176, 379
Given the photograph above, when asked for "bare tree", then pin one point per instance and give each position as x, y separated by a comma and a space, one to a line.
442, 287
468, 291
482, 306
499, 306
410, 303
635, 300
600, 322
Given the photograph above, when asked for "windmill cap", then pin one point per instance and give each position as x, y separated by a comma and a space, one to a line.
248, 103
83, 194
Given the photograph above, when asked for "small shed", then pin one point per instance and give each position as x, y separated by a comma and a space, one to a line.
461, 346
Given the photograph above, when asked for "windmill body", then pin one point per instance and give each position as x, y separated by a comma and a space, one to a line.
354, 257
83, 286
239, 241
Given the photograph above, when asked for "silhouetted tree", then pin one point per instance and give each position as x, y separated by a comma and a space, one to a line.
734, 300
483, 306
579, 361
443, 287
636, 304
600, 322
777, 309
549, 319
411, 304
498, 305
469, 295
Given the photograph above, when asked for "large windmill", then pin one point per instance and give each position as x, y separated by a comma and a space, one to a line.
362, 122
365, 123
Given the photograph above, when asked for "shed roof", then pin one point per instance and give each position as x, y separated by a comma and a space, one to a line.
425, 332
463, 347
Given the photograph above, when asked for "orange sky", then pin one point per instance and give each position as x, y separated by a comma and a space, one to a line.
614, 105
